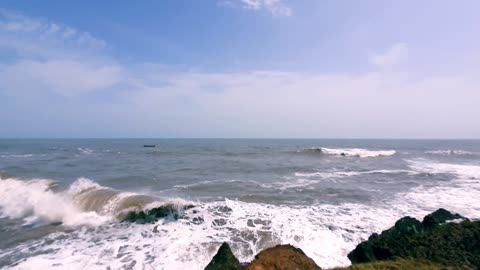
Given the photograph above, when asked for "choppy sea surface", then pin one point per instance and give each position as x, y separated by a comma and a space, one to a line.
61, 201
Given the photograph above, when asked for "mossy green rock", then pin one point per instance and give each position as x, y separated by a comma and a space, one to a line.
454, 244
439, 217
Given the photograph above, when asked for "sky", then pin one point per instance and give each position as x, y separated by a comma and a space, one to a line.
240, 69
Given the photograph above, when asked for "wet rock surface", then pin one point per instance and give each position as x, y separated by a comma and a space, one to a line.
154, 214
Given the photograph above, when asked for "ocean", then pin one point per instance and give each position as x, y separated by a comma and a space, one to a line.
62, 200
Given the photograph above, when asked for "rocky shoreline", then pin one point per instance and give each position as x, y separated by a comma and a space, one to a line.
442, 240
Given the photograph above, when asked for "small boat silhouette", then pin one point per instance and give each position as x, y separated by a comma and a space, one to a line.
149, 145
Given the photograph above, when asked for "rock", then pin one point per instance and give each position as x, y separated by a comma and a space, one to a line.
197, 220
439, 217
400, 264
453, 244
224, 260
154, 214
282, 257
404, 227
377, 246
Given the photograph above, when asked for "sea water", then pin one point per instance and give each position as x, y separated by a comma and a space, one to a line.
62, 201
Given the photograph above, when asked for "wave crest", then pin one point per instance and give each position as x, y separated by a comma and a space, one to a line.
85, 202
351, 152
462, 171
37, 203
451, 153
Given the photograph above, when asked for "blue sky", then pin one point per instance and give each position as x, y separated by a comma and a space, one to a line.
240, 68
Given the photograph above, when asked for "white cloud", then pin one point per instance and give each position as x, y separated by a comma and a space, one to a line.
298, 104
63, 77
42, 38
163, 101
391, 57
276, 7
50, 56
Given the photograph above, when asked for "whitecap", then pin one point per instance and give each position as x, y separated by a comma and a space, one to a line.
325, 232
461, 170
451, 152
352, 152
342, 174
86, 151
35, 202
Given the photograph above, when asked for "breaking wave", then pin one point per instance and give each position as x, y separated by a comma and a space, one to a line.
325, 232
350, 152
190, 242
341, 174
85, 202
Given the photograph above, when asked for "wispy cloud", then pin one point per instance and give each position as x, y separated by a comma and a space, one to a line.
391, 57
16, 29
240, 104
64, 77
53, 56
275, 7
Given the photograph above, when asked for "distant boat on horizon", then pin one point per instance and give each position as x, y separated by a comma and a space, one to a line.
149, 145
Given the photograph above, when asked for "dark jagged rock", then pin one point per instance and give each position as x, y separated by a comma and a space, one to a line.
154, 214
404, 227
439, 217
454, 244
371, 251
224, 260
282, 257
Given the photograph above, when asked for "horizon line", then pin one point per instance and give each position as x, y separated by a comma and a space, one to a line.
227, 138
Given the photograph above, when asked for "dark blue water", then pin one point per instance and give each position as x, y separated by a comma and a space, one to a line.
60, 199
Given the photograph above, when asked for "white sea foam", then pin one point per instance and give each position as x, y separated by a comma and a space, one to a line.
86, 151
356, 152
212, 182
308, 180
83, 203
463, 171
290, 184
35, 202
17, 155
324, 232
342, 174
450, 152
462, 194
